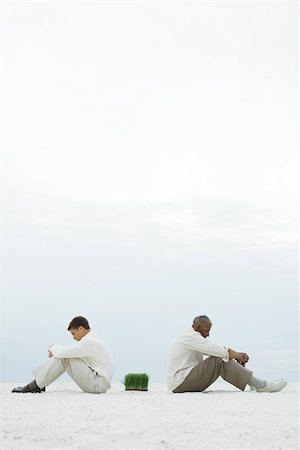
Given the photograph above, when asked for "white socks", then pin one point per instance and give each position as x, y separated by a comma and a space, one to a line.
256, 383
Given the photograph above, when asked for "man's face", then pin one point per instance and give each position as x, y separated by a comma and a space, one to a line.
78, 333
204, 328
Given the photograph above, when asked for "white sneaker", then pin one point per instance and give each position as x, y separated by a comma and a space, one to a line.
273, 386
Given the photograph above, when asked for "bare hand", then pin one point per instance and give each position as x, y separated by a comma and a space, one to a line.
239, 358
49, 352
245, 358
242, 358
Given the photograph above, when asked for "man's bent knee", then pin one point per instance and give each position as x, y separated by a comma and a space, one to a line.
65, 362
216, 360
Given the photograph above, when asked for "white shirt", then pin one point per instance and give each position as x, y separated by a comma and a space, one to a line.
186, 352
92, 350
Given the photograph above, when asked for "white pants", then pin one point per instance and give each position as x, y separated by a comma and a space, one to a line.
86, 378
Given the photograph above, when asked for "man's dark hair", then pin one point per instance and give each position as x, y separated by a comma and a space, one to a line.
78, 322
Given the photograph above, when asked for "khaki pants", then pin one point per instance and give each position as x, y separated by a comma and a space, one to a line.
206, 372
86, 378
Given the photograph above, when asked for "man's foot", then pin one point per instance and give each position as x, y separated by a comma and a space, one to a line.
274, 386
31, 387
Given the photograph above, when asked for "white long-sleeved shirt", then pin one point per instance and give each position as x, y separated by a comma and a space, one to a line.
92, 350
186, 352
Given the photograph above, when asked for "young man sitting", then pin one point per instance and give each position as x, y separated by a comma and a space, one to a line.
88, 362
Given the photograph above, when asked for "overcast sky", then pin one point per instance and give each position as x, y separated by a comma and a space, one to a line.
149, 167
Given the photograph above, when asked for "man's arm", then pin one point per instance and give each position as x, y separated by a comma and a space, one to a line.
79, 350
206, 346
197, 342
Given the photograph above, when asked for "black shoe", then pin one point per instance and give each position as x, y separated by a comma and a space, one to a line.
31, 387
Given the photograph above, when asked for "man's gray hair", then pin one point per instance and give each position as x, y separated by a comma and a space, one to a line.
200, 319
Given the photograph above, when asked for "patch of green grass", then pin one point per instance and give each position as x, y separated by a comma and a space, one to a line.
136, 382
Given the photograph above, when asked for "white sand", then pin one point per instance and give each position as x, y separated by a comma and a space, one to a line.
220, 418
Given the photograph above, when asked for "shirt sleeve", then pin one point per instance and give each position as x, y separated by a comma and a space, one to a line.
79, 350
198, 343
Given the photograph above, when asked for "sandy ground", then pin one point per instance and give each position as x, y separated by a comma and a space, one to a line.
220, 418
